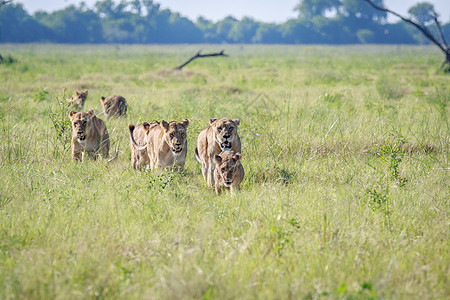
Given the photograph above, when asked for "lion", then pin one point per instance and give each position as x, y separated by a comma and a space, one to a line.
228, 172
78, 99
220, 135
165, 145
89, 135
139, 155
114, 106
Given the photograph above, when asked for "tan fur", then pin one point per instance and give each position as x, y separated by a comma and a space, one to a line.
89, 135
78, 98
114, 106
165, 144
138, 134
210, 142
229, 172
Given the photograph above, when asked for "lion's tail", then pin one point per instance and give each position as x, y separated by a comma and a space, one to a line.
136, 146
197, 156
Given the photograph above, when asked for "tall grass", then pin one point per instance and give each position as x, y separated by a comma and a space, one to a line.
345, 194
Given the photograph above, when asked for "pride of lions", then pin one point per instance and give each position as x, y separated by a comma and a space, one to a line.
161, 145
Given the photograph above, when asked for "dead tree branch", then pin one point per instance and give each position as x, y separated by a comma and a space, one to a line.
198, 55
3, 2
442, 45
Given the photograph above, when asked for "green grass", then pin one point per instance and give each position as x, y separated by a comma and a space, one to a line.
346, 191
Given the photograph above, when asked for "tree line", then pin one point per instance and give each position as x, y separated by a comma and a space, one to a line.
144, 22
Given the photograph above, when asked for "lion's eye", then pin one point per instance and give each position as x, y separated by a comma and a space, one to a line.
223, 170
219, 129
171, 135
182, 135
231, 129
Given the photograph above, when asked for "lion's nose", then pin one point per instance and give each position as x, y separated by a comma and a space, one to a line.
226, 136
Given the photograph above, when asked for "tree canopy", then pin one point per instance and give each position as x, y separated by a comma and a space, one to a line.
143, 21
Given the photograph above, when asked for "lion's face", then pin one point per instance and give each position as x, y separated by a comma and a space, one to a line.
226, 163
175, 134
81, 123
107, 103
79, 97
225, 131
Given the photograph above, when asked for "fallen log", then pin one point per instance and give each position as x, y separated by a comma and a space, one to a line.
199, 55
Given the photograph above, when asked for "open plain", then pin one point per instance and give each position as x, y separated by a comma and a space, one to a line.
345, 195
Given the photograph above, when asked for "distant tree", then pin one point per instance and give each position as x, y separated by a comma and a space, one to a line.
422, 13
296, 32
243, 31
268, 34
311, 8
358, 9
224, 27
73, 24
440, 42
3, 2
209, 30
17, 26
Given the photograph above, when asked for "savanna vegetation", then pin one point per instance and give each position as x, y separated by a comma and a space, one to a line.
145, 22
345, 195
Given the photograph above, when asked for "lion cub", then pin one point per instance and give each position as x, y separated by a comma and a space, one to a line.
114, 106
89, 135
229, 172
165, 144
78, 99
220, 135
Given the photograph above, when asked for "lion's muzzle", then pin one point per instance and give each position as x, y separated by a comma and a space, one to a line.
81, 136
226, 145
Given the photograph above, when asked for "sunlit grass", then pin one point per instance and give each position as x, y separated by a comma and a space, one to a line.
345, 196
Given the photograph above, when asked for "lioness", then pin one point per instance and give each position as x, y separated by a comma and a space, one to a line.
89, 135
78, 99
114, 106
220, 135
138, 134
165, 143
229, 172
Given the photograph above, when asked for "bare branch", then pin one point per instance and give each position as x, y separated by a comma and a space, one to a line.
3, 2
444, 46
198, 55
438, 25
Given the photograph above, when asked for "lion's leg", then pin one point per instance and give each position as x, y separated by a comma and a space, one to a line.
77, 150
77, 155
104, 146
210, 176
235, 189
92, 155
179, 167
217, 188
204, 171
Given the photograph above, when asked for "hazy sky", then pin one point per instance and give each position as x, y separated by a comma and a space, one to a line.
261, 10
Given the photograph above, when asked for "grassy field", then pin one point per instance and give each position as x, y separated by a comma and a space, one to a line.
346, 194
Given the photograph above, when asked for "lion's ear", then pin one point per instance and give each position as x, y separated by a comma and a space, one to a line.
165, 125
71, 114
237, 121
102, 99
217, 159
237, 157
90, 113
86, 92
76, 92
185, 123
146, 125
212, 120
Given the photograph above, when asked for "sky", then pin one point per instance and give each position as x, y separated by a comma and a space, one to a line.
276, 11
